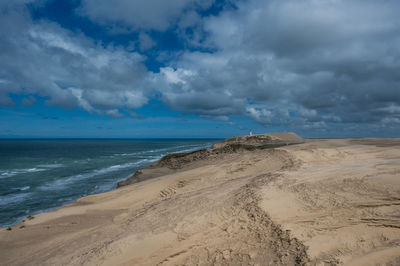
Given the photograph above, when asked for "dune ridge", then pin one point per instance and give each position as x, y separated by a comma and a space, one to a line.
175, 161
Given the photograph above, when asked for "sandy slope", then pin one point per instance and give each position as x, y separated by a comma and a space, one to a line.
342, 201
338, 198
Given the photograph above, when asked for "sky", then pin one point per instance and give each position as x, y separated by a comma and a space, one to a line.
199, 68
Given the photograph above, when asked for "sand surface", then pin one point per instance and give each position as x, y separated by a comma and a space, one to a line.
323, 202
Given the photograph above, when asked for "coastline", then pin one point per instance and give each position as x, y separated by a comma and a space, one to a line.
287, 205
43, 175
173, 162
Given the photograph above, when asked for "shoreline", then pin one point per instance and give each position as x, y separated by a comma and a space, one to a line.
125, 180
114, 165
315, 202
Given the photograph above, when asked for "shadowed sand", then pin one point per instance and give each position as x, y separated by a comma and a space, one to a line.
323, 202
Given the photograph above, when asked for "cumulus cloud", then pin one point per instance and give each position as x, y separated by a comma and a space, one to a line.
68, 69
115, 113
295, 63
192, 91
292, 62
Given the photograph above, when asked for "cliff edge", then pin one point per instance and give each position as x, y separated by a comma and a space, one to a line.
174, 161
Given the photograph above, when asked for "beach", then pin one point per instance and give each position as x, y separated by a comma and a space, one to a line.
279, 200
39, 175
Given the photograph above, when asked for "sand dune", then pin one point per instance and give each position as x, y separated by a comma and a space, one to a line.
323, 202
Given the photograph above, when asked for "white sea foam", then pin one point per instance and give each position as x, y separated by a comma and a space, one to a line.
182, 148
189, 148
177, 150
61, 183
55, 165
13, 172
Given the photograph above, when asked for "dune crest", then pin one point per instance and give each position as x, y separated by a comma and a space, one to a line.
174, 161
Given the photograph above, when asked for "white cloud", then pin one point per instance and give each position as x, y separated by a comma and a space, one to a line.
81, 101
262, 116
321, 61
114, 113
68, 68
281, 62
176, 76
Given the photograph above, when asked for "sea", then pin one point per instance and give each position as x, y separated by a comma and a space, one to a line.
38, 175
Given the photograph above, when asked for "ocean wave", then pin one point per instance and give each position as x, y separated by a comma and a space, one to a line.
125, 154
61, 183
24, 188
55, 165
13, 172
152, 155
181, 148
195, 148
14, 198
138, 153
177, 149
